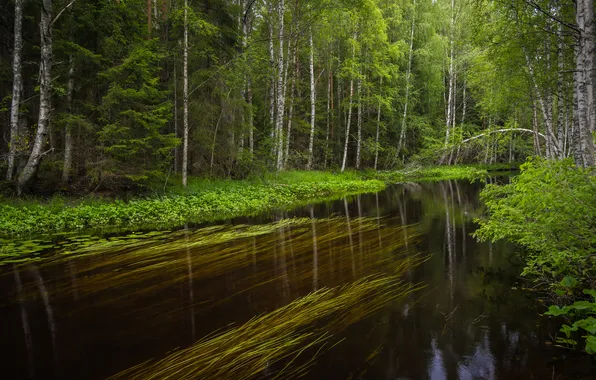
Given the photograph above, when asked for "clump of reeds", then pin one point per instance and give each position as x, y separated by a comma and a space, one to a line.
283, 335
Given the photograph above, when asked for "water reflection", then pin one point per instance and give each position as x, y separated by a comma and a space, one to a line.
124, 303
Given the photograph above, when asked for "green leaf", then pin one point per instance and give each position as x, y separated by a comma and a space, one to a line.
591, 345
590, 292
556, 311
569, 282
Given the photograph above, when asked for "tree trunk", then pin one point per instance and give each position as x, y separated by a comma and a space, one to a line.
280, 87
378, 124
451, 94
292, 100
561, 103
359, 124
312, 104
329, 100
272, 85
68, 140
583, 139
185, 100
149, 6
45, 97
402, 134
349, 119
17, 83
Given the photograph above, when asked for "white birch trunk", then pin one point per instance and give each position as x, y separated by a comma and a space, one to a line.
272, 86
17, 83
359, 125
312, 104
185, 100
378, 124
402, 133
584, 146
45, 97
279, 120
450, 95
329, 99
349, 118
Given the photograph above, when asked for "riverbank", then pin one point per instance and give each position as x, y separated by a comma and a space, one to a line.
206, 201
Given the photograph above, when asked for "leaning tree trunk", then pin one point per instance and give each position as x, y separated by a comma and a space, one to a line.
45, 97
185, 100
312, 104
17, 83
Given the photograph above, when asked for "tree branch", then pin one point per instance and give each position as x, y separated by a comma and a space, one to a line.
60, 13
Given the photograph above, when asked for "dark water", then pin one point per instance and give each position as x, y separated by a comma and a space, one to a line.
91, 316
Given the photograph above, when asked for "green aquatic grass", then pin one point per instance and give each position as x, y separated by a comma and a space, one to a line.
210, 204
292, 335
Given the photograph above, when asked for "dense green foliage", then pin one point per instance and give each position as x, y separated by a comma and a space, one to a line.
413, 81
220, 202
438, 173
207, 200
549, 209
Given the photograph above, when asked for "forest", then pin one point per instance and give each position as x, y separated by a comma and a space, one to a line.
303, 158
112, 94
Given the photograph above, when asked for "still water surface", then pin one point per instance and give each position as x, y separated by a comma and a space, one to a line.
129, 299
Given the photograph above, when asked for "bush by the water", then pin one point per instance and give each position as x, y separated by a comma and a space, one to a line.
550, 209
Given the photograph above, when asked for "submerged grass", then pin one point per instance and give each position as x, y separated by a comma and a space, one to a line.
294, 334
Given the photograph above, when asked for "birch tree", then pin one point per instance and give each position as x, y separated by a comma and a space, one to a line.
185, 100
17, 85
312, 102
45, 97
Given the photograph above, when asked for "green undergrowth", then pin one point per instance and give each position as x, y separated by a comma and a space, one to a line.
430, 174
202, 202
549, 209
206, 200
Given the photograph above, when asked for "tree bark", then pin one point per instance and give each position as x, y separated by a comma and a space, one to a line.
280, 87
312, 104
359, 124
349, 119
378, 124
185, 101
451, 94
45, 97
402, 133
17, 83
68, 139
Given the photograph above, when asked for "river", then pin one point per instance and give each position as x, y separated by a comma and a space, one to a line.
376, 286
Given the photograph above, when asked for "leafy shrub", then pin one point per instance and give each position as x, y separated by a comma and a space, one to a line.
549, 209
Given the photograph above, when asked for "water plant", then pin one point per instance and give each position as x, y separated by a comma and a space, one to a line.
284, 342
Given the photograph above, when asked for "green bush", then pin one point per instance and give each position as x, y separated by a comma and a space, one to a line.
550, 210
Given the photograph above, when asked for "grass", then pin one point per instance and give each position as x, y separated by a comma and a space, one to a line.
430, 174
294, 335
205, 200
